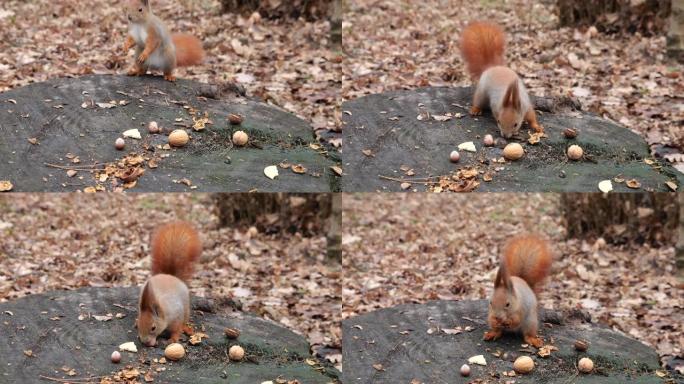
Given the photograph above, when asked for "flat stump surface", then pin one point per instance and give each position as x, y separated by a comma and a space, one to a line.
61, 120
384, 138
47, 327
409, 343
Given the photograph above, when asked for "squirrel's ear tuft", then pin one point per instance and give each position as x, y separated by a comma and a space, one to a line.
502, 278
146, 3
146, 298
498, 280
512, 96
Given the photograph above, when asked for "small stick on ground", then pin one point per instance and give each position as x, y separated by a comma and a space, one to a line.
83, 380
93, 167
425, 180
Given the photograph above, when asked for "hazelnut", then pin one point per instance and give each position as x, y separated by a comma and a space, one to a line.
153, 127
454, 156
174, 352
119, 144
235, 119
581, 345
178, 138
240, 138
513, 151
116, 357
465, 370
231, 333
523, 364
585, 365
575, 152
488, 140
236, 353
570, 133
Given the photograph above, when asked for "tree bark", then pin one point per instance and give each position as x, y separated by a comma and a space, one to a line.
622, 218
675, 33
306, 213
679, 252
335, 230
274, 9
646, 16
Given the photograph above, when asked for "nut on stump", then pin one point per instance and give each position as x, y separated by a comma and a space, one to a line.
235, 119
174, 352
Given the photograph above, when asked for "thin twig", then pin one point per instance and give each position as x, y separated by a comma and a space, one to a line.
425, 180
93, 379
77, 168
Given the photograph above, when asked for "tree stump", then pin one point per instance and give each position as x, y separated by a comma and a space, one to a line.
48, 326
383, 138
64, 121
398, 339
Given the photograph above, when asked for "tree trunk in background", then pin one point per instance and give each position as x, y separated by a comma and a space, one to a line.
645, 16
335, 230
679, 255
336, 24
675, 32
622, 218
307, 213
273, 9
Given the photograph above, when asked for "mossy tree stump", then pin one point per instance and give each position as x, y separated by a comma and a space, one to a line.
384, 138
55, 121
48, 326
407, 342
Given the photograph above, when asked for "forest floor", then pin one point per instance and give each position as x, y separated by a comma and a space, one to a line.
57, 242
415, 248
627, 78
289, 63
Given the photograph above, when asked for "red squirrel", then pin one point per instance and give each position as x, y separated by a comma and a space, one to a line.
525, 263
165, 299
499, 87
155, 47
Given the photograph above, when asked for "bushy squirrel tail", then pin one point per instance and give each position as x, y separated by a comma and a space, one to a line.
175, 249
529, 258
189, 50
482, 46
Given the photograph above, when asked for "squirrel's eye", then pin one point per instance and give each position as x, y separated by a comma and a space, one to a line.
508, 305
154, 327
515, 125
140, 10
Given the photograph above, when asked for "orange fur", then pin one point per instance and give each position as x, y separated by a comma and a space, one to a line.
175, 248
529, 258
482, 46
189, 49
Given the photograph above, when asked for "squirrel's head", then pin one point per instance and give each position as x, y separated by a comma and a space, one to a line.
150, 322
504, 307
138, 10
511, 116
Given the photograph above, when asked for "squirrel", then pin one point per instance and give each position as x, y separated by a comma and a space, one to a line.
165, 298
155, 46
525, 263
499, 87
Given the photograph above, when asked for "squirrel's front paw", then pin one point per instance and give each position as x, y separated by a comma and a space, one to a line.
492, 335
134, 72
142, 58
537, 128
475, 111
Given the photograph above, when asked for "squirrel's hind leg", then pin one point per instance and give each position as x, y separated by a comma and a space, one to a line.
136, 70
478, 102
531, 118
534, 340
168, 75
529, 331
176, 330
